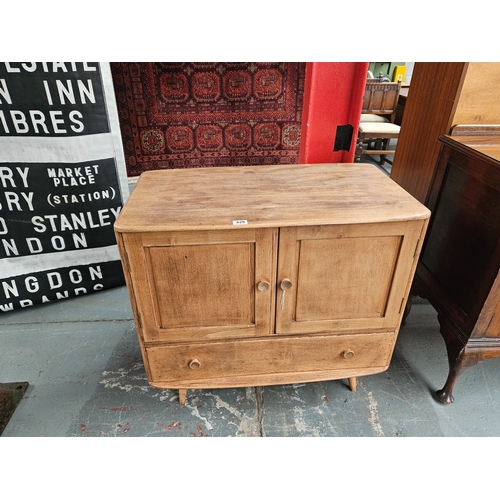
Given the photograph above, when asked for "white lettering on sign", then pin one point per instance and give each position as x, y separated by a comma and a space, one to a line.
37, 121
73, 222
7, 174
30, 67
54, 280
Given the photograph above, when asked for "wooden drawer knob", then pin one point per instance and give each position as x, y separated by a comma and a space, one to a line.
348, 354
194, 364
263, 286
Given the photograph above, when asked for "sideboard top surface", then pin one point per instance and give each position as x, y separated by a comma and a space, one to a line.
264, 196
486, 144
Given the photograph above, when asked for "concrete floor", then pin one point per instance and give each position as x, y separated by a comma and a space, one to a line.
83, 363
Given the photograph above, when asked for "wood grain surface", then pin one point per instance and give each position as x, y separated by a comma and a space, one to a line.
278, 195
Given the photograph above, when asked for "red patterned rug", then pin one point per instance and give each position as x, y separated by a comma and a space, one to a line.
185, 115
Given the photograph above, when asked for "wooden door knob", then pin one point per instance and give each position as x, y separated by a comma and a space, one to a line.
348, 354
263, 286
286, 284
195, 364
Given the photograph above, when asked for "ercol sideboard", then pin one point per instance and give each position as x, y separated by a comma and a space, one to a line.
264, 275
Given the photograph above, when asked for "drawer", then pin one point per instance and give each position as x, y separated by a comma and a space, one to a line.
171, 364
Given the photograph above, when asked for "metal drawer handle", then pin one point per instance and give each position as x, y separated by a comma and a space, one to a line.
195, 364
263, 286
285, 285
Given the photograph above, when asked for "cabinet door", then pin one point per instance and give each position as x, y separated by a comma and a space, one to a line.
203, 284
345, 278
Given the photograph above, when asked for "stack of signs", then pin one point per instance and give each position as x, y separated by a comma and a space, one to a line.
63, 182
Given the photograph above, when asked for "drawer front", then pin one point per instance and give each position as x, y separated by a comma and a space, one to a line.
280, 355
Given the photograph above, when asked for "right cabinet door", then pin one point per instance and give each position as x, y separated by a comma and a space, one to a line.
344, 277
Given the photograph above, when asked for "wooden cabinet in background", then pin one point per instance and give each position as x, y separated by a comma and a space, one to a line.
266, 275
441, 95
442, 98
459, 265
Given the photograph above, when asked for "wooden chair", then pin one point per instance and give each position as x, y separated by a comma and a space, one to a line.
376, 128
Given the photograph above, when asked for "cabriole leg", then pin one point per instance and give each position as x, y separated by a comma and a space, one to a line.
459, 359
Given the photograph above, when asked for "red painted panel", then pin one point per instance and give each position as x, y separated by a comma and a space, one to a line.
333, 97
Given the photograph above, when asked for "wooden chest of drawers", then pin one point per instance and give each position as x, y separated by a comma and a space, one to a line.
266, 275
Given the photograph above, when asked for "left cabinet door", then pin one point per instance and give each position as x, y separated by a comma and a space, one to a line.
201, 285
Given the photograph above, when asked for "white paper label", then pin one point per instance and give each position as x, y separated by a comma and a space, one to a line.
240, 222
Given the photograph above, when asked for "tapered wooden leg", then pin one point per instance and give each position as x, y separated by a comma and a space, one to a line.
352, 384
182, 396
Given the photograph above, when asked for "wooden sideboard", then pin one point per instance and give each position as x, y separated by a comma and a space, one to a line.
266, 275
459, 265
